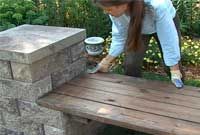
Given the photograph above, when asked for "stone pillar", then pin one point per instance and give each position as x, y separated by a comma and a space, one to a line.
34, 60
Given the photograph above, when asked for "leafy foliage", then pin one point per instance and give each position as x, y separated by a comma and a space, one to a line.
191, 51
189, 13
13, 13
86, 15
82, 14
79, 14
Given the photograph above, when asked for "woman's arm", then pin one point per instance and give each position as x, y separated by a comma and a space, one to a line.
119, 35
119, 32
168, 36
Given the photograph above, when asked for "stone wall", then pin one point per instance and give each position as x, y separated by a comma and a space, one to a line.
34, 60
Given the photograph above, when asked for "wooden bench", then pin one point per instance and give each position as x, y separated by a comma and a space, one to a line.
149, 106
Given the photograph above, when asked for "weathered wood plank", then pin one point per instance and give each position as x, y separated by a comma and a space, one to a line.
123, 78
134, 103
145, 84
132, 119
128, 90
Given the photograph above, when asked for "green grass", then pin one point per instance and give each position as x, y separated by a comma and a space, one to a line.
193, 82
153, 76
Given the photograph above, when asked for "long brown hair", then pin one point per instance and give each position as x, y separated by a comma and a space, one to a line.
136, 12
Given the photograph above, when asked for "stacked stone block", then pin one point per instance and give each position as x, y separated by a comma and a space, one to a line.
35, 60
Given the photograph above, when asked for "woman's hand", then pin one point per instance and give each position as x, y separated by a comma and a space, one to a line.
104, 65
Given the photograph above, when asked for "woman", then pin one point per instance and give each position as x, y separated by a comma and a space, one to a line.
134, 22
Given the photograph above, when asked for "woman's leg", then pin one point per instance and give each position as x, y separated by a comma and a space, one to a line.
134, 60
166, 68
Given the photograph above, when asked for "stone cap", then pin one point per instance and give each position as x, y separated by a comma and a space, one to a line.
30, 43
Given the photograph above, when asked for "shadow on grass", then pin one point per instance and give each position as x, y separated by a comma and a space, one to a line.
114, 130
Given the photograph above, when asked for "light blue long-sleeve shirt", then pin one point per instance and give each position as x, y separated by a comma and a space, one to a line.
158, 19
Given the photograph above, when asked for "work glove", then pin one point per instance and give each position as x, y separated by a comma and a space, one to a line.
104, 65
176, 78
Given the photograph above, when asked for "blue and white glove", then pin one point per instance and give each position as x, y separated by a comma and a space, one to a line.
176, 78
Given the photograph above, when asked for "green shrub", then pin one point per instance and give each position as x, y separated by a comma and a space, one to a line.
153, 56
191, 52
83, 14
189, 13
56, 11
79, 14
13, 13
86, 15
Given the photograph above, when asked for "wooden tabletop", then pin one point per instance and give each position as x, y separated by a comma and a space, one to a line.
149, 106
